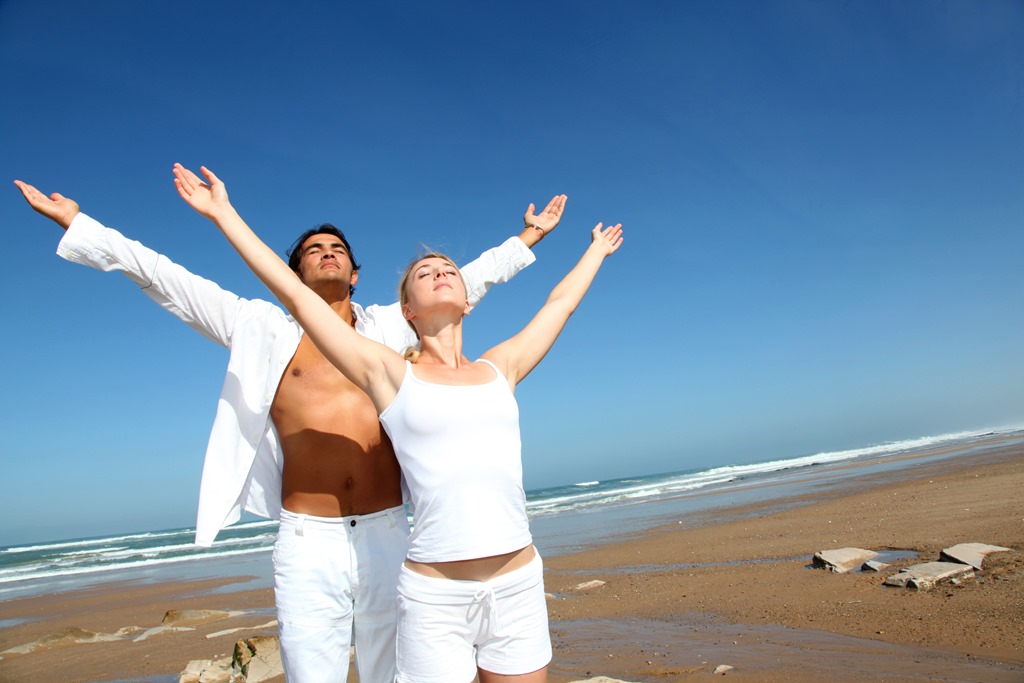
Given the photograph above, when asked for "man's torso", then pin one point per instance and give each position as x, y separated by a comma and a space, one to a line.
337, 459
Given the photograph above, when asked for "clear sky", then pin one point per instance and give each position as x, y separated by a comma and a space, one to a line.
823, 204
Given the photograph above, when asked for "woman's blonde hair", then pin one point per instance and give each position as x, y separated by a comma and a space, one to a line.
412, 353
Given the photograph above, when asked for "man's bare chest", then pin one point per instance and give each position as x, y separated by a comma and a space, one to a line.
311, 389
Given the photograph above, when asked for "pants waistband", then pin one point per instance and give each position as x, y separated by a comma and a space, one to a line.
302, 524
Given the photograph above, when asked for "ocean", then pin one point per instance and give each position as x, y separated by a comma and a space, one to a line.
563, 518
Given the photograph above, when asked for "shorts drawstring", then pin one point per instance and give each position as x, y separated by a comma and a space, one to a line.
487, 601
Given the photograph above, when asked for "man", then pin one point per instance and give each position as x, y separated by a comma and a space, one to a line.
293, 439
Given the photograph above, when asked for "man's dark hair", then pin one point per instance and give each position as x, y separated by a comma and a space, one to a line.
294, 252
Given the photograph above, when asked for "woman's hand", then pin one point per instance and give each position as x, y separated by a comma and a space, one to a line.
606, 241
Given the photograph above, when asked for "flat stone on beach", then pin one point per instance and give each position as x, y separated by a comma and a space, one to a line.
842, 560
925, 576
193, 670
258, 658
207, 671
970, 553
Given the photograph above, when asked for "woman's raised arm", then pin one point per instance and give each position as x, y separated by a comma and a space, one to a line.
374, 368
520, 354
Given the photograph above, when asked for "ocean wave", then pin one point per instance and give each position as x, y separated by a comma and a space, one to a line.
134, 537
42, 547
48, 573
93, 552
597, 493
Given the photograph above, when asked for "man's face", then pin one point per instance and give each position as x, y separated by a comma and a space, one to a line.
325, 259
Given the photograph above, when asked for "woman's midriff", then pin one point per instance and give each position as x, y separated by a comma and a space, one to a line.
479, 569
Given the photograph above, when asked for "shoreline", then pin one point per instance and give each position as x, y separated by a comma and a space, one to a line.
726, 586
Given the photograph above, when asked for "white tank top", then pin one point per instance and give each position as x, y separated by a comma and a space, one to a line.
459, 449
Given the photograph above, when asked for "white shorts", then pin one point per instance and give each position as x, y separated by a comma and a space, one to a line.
333, 576
447, 628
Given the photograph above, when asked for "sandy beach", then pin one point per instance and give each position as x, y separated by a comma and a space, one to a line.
680, 601
728, 588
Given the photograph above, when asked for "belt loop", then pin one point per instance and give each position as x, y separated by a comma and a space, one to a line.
391, 517
300, 524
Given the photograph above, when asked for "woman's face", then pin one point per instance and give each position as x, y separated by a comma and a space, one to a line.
432, 282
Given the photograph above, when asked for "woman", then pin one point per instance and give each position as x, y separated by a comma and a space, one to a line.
471, 595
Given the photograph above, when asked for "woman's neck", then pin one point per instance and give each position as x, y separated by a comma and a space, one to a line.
442, 347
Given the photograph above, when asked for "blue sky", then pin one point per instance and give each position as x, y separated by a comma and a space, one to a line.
823, 205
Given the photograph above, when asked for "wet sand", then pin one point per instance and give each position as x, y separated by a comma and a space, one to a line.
110, 607
729, 587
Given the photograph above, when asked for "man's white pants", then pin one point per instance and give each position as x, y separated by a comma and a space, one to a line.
335, 577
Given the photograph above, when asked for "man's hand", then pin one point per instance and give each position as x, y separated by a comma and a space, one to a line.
56, 207
538, 225
209, 199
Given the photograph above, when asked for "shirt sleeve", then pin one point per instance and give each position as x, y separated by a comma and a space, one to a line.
494, 266
198, 302
387, 325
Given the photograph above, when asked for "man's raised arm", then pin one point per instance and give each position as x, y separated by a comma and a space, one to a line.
56, 207
385, 323
201, 304
539, 225
503, 262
